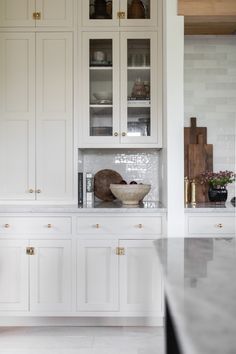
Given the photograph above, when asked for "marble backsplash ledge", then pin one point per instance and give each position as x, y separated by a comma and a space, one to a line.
141, 166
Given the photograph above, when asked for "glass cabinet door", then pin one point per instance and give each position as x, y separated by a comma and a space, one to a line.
101, 88
140, 96
120, 12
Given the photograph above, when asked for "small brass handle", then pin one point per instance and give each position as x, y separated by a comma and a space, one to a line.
97, 226
7, 226
37, 15
30, 251
116, 134
31, 190
49, 226
38, 191
123, 134
121, 14
219, 226
140, 226
120, 251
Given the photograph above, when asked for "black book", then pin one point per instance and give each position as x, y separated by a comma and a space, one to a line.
80, 188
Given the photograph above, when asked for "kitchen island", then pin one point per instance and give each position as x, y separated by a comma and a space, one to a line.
200, 292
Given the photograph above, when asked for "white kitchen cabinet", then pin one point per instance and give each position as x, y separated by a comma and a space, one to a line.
140, 278
36, 145
36, 13
97, 276
122, 90
14, 286
50, 276
118, 13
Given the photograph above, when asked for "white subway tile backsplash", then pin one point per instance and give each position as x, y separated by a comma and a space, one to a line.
210, 94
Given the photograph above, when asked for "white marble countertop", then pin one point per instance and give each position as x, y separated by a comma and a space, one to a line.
210, 208
201, 290
102, 207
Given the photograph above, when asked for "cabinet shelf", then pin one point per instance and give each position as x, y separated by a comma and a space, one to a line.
100, 67
100, 105
139, 103
139, 67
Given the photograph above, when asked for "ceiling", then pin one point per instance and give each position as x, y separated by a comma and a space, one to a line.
204, 17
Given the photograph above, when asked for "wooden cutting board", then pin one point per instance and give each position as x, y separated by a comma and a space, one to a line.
190, 137
200, 159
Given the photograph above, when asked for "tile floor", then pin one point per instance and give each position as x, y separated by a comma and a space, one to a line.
81, 340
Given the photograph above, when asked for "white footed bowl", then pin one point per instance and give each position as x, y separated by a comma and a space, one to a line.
130, 194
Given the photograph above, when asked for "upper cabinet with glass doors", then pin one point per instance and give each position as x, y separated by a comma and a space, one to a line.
122, 90
36, 13
120, 12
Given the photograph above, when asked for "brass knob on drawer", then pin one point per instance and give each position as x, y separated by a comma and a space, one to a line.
140, 226
7, 226
49, 226
219, 226
30, 251
121, 15
97, 226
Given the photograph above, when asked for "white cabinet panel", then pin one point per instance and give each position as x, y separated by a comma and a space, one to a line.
54, 116
97, 276
55, 12
140, 278
13, 276
17, 13
17, 115
50, 276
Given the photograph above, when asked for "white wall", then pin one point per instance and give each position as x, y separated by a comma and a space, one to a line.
210, 94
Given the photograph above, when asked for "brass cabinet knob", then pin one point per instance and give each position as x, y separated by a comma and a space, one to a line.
38, 191
7, 226
30, 251
121, 14
49, 226
219, 226
120, 251
140, 226
116, 134
97, 226
37, 15
31, 190
123, 134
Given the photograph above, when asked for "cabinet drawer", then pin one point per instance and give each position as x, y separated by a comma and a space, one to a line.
119, 225
211, 225
35, 225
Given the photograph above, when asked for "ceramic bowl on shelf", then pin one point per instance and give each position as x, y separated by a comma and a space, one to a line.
130, 194
103, 96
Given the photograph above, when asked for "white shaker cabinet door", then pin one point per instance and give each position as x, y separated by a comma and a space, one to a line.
15, 13
13, 275
54, 12
17, 116
54, 130
140, 278
97, 276
50, 276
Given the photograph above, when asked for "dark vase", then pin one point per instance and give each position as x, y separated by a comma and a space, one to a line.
217, 195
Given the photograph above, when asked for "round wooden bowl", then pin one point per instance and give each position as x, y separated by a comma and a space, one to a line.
102, 181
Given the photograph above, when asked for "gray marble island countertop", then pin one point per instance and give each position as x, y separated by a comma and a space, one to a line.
98, 207
200, 287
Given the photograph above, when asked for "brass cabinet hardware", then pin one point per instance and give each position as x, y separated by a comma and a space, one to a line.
121, 15
97, 226
120, 251
30, 251
140, 226
219, 226
37, 15
38, 191
7, 226
116, 134
31, 190
123, 134
49, 226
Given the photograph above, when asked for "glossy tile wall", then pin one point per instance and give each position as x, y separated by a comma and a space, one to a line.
141, 166
210, 94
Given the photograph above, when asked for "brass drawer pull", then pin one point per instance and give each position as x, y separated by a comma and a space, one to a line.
219, 226
49, 226
38, 191
30, 251
123, 134
7, 226
37, 15
120, 251
121, 14
31, 190
97, 226
140, 226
